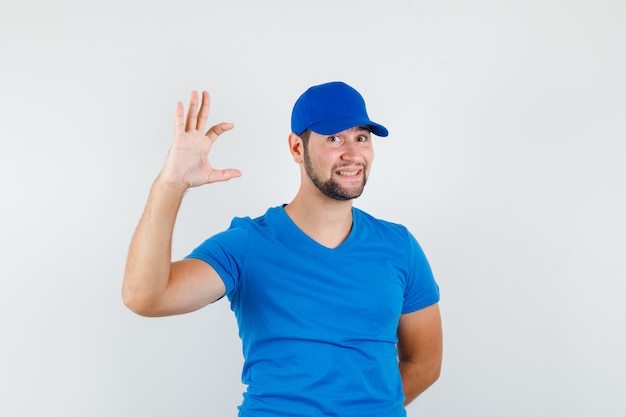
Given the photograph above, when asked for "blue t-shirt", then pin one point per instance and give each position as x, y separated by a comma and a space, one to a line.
318, 325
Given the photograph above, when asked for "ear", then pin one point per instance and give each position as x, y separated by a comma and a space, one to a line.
296, 147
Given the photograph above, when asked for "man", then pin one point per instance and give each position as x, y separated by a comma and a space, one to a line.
337, 311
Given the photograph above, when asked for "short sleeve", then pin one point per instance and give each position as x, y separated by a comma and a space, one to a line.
225, 252
421, 289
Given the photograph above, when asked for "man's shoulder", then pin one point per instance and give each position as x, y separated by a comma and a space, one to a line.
372, 227
367, 218
271, 215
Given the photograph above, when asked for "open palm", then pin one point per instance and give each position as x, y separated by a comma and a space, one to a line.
187, 164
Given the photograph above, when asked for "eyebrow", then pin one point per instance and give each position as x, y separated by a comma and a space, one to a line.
358, 129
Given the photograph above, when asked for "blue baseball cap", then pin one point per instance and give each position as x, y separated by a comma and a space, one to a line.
331, 108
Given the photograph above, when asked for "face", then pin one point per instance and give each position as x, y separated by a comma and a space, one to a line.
338, 164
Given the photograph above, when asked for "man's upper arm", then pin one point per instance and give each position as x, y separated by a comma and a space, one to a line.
193, 284
420, 335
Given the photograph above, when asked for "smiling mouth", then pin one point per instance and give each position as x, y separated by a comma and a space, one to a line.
348, 173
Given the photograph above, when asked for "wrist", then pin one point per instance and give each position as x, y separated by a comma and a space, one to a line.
169, 187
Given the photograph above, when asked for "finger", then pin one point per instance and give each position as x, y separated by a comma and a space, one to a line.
179, 121
192, 113
203, 115
218, 175
218, 129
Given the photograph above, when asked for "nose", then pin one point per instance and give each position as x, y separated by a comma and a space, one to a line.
349, 147
351, 151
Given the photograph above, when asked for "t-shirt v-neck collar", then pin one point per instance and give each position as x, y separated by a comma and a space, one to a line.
298, 240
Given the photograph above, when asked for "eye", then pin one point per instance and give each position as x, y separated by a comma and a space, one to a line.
363, 138
334, 139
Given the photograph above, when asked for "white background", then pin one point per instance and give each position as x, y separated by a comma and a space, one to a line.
505, 159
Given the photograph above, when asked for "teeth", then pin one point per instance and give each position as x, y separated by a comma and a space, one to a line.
348, 173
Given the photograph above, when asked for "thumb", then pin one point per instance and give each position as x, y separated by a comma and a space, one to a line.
218, 175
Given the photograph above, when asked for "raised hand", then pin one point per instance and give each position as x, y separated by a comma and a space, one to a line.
187, 164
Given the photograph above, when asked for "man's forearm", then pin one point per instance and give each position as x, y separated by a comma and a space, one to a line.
149, 256
417, 377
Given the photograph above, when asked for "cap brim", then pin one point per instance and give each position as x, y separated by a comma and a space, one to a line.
339, 124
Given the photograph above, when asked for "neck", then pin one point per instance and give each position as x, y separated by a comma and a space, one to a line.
325, 220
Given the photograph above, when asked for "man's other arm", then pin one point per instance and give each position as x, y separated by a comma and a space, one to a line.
420, 347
